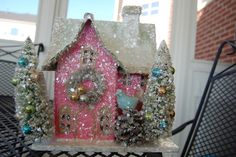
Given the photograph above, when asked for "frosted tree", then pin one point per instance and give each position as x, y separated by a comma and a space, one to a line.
32, 107
159, 97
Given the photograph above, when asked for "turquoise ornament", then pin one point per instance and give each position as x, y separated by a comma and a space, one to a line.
22, 62
156, 72
124, 101
26, 129
163, 124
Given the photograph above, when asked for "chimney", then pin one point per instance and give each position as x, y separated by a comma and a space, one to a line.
130, 16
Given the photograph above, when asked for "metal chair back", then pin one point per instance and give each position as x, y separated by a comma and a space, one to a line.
213, 133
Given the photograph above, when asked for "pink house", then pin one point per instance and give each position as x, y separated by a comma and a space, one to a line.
92, 60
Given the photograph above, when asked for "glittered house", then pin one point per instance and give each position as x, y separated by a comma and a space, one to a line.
92, 60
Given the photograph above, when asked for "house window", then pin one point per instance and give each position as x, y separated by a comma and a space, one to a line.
145, 9
144, 13
17, 19
153, 12
155, 8
155, 4
144, 79
88, 56
145, 6
150, 9
14, 31
65, 119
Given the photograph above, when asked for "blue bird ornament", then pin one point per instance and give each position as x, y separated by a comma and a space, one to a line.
124, 101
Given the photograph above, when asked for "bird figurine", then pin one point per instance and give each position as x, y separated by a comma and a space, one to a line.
124, 101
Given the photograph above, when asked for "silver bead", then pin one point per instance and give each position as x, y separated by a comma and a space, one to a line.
83, 98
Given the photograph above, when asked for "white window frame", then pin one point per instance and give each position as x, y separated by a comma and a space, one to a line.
48, 11
22, 18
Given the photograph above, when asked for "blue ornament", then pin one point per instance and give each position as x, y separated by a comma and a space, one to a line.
163, 124
22, 62
26, 129
124, 101
156, 72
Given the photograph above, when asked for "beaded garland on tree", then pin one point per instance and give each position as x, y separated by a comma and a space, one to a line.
159, 97
156, 117
32, 108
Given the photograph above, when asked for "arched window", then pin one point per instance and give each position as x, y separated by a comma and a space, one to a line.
65, 119
88, 56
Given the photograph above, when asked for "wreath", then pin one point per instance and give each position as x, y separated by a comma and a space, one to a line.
78, 91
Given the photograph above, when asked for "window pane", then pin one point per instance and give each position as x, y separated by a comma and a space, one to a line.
145, 6
144, 13
155, 4
102, 10
153, 12
18, 19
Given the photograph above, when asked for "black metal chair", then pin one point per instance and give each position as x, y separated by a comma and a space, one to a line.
213, 131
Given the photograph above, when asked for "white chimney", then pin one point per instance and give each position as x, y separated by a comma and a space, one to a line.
130, 16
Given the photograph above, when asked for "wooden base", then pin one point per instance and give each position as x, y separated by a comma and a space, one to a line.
52, 144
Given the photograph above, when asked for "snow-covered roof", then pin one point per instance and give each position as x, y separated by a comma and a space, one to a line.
133, 43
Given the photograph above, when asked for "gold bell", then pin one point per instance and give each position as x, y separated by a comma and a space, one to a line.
172, 114
172, 70
81, 90
162, 90
34, 74
74, 96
